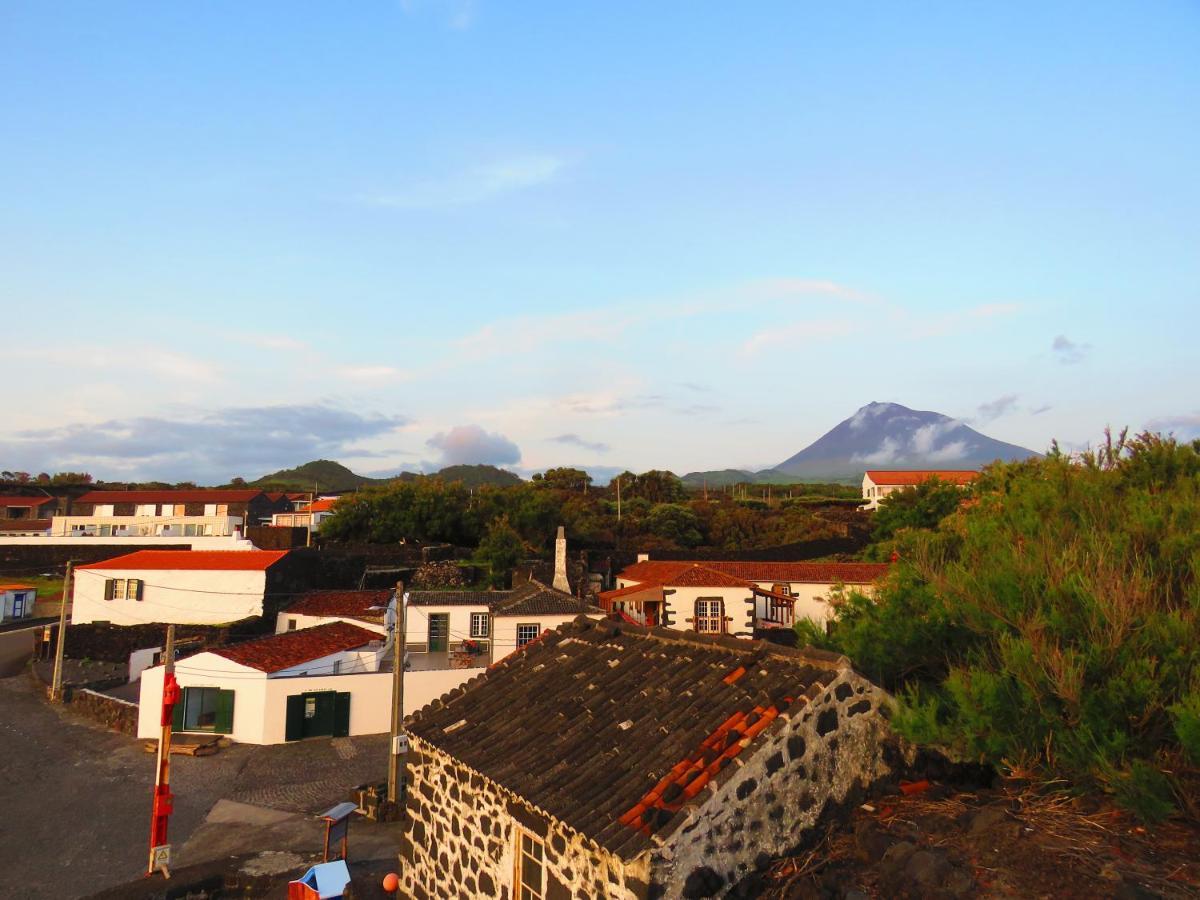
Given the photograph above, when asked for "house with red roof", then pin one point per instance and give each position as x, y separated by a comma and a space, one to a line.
198, 513
26, 515
16, 601
733, 597
878, 483
307, 513
185, 587
371, 609
323, 681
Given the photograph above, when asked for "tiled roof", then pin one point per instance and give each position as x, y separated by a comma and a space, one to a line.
294, 648
671, 572
568, 724
342, 603
325, 504
24, 524
186, 560
25, 502
908, 478
17, 587
528, 599
169, 496
638, 591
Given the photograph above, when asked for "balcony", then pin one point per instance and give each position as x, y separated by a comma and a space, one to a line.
145, 526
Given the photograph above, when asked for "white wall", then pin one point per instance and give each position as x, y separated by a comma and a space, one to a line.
506, 630
260, 703
185, 597
140, 660
682, 604
281, 622
8, 603
417, 628
121, 545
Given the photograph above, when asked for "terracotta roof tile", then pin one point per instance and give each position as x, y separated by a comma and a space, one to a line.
25, 502
910, 477
294, 648
670, 572
170, 496
189, 560
531, 598
342, 603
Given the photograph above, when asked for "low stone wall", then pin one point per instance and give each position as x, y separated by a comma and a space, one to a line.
118, 715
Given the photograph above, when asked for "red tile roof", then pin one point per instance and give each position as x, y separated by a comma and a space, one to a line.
909, 478
17, 587
294, 648
24, 524
169, 496
721, 573
188, 560
323, 505
342, 603
25, 502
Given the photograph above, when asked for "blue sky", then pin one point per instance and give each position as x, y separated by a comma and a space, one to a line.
236, 236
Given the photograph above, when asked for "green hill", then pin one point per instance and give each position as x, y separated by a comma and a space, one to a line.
478, 476
326, 474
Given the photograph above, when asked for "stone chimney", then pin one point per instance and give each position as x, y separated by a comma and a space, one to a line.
560, 562
643, 557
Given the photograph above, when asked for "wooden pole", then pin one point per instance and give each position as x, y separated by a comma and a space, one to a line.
399, 739
163, 802
60, 649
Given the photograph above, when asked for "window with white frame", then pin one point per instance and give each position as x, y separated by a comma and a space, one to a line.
480, 626
530, 874
123, 589
710, 615
526, 634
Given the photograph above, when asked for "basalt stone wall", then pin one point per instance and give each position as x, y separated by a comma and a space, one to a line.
761, 805
119, 715
461, 835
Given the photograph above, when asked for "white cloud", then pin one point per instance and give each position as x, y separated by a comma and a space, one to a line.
478, 184
470, 444
1185, 427
887, 451
796, 333
952, 451
994, 409
1069, 352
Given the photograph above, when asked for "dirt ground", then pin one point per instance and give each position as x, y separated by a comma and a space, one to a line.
1007, 842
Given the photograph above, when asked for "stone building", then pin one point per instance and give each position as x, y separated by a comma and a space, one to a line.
611, 760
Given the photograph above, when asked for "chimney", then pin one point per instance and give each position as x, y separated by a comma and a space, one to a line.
560, 562
643, 557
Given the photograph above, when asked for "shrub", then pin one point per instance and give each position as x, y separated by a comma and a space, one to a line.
1053, 623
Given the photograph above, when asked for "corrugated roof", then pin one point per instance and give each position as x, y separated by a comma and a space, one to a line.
294, 648
568, 724
189, 560
169, 496
912, 477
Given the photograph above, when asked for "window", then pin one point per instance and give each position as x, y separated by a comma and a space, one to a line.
530, 880
205, 709
479, 625
123, 589
337, 667
291, 624
118, 589
144, 509
527, 634
784, 589
710, 615
133, 589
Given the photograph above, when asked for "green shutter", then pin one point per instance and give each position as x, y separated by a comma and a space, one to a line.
341, 716
224, 717
177, 710
108, 589
294, 727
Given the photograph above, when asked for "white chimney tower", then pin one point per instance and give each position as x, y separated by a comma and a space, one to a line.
560, 562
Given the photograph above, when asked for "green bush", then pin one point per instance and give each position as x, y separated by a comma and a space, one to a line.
1052, 624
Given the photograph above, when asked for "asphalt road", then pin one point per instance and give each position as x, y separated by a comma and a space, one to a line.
75, 798
16, 646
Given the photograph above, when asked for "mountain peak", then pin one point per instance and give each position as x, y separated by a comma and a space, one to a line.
889, 434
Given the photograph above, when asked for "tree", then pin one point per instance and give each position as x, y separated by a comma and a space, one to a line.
675, 523
564, 479
500, 550
922, 506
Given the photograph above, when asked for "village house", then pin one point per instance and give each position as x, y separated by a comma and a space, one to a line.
475, 628
611, 761
167, 513
21, 515
16, 601
306, 514
186, 587
733, 597
373, 610
878, 483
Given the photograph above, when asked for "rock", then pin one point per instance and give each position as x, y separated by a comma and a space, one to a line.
986, 819
855, 894
959, 883
870, 841
1131, 890
928, 869
891, 866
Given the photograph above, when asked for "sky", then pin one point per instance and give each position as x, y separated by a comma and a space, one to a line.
235, 237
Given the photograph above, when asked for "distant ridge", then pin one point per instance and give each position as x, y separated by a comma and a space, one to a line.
332, 476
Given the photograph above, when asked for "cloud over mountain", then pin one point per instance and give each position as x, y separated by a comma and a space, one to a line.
470, 444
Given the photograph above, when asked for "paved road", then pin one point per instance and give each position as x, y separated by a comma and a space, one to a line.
75, 799
16, 646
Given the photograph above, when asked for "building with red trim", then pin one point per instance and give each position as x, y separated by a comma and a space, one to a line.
878, 483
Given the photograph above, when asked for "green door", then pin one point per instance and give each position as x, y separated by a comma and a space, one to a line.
294, 729
341, 719
439, 632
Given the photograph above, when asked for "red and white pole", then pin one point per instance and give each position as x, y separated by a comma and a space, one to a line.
164, 800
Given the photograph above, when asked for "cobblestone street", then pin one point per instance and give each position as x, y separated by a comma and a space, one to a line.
77, 798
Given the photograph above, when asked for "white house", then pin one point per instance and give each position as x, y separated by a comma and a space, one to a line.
331, 680
307, 514
186, 587
878, 483
374, 610
733, 597
447, 625
16, 601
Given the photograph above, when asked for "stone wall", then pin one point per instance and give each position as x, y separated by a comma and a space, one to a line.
461, 834
119, 715
761, 805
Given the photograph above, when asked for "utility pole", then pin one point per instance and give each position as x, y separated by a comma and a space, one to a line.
399, 738
618, 498
59, 650
164, 802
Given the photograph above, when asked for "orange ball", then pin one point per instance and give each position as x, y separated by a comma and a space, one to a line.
391, 882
